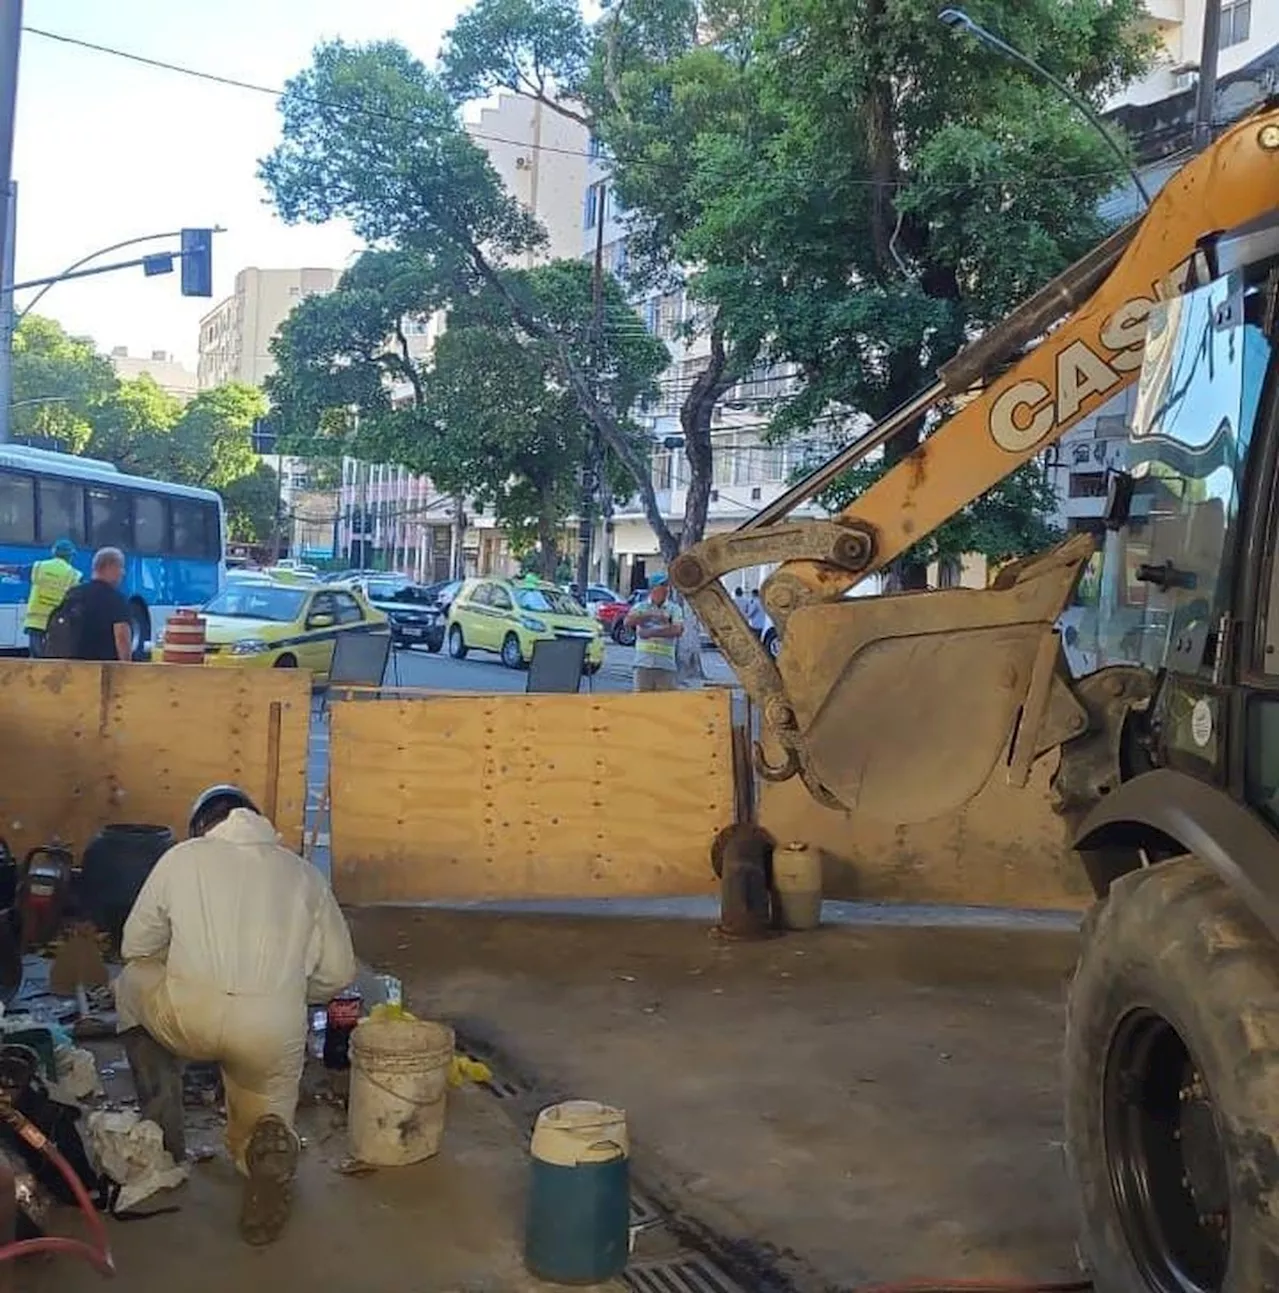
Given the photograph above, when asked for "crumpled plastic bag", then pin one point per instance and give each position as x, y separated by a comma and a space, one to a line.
130, 1150
77, 1075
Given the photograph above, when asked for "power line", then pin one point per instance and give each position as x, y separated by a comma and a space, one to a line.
217, 78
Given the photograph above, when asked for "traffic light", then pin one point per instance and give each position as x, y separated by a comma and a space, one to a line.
197, 262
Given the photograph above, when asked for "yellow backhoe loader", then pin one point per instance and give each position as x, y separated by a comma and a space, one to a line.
902, 707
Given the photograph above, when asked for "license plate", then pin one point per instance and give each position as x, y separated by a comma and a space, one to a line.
411, 632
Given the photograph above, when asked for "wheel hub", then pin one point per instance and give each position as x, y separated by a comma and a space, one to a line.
1166, 1160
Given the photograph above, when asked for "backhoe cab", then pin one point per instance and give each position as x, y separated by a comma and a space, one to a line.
902, 707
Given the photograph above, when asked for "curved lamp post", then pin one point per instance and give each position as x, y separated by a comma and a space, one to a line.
960, 21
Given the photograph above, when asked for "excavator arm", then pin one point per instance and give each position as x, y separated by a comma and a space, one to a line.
1057, 359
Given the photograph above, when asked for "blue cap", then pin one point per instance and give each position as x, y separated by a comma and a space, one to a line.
65, 549
657, 581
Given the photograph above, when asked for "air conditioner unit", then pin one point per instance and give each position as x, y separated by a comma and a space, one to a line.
523, 163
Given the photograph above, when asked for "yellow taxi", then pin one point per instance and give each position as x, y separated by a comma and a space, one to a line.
509, 616
284, 626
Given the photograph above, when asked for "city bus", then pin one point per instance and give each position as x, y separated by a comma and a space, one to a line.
172, 536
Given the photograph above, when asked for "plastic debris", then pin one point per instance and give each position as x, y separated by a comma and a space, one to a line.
130, 1150
78, 1076
464, 1069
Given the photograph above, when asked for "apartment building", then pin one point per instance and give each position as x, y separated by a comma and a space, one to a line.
236, 335
167, 373
1157, 113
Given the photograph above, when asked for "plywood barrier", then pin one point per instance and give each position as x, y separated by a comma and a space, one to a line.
83, 745
1005, 848
528, 796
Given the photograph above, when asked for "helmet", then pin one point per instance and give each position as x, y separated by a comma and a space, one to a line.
65, 549
214, 805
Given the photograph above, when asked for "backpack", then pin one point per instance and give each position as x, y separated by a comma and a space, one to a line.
65, 632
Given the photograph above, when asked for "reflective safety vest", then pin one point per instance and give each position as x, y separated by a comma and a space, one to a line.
657, 653
50, 582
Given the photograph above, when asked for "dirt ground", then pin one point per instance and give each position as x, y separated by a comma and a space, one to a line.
855, 1104
449, 1225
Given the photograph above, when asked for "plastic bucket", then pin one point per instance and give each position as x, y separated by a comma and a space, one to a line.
399, 1076
797, 886
577, 1227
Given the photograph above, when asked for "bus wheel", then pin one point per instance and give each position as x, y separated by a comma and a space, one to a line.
139, 628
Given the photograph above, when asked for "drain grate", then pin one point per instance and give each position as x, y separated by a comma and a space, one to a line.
679, 1275
643, 1213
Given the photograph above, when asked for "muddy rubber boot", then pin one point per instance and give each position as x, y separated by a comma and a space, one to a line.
272, 1162
157, 1078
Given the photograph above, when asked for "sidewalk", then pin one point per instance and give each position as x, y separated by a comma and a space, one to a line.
450, 1225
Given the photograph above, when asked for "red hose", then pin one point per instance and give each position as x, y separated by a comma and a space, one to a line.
978, 1286
98, 1257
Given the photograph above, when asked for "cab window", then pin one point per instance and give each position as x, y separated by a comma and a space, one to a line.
478, 596
322, 604
499, 598
349, 611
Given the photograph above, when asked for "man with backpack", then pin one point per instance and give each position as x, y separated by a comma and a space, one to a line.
51, 580
93, 621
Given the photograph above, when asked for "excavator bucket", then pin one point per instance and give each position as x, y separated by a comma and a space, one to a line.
906, 703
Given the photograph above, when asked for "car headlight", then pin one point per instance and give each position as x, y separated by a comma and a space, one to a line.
533, 624
250, 646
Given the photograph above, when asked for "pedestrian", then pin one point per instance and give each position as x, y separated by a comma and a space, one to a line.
93, 621
51, 581
230, 939
658, 624
756, 617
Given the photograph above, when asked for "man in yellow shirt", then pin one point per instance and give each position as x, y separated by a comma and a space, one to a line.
50, 582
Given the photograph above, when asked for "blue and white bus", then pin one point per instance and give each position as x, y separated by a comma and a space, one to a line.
171, 535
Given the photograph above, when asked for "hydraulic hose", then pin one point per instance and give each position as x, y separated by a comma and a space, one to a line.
99, 1256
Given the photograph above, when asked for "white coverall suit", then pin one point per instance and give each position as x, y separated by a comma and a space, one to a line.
230, 938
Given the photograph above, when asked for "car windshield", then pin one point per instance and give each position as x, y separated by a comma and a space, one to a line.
386, 590
258, 602
548, 600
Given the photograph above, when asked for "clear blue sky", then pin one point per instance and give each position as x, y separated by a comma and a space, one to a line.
107, 149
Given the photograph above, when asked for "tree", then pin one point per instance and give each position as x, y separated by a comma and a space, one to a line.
485, 413
371, 136
903, 191
133, 430
58, 380
252, 503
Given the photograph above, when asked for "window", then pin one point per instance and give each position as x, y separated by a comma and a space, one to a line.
591, 207
251, 601
349, 611
109, 522
322, 604
61, 511
499, 598
1235, 23
195, 529
150, 523
549, 601
17, 508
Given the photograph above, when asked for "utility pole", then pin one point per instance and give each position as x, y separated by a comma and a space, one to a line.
1207, 85
10, 38
591, 471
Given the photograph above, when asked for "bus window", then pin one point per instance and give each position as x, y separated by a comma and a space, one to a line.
61, 511
109, 525
195, 529
150, 523
17, 508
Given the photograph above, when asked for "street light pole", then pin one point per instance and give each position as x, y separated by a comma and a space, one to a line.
958, 20
10, 40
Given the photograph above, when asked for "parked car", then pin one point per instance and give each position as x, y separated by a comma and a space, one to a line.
442, 593
510, 616
413, 617
271, 624
613, 614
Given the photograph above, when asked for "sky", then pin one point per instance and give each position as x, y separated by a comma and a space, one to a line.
107, 149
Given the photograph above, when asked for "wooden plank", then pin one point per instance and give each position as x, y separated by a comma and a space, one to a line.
82, 745
527, 796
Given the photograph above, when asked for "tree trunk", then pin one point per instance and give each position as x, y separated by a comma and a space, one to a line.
548, 532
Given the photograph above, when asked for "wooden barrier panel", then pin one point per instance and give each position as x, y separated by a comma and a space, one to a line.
83, 745
528, 796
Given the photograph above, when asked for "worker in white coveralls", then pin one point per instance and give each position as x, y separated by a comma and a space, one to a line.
229, 940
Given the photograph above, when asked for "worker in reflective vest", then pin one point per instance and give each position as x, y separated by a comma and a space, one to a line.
50, 582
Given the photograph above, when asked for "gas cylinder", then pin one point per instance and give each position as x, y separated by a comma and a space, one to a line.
42, 893
184, 638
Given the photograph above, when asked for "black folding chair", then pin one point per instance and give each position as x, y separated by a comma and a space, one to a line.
557, 665
359, 660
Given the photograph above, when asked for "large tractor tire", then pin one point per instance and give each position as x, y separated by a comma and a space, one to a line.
1171, 1087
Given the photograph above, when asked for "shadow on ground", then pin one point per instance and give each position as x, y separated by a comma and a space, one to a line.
850, 1105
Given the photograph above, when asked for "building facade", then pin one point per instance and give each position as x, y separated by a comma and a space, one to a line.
236, 335
167, 373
